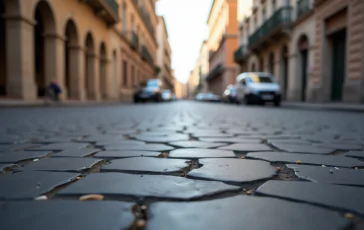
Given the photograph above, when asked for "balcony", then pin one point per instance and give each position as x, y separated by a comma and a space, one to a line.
217, 71
167, 68
240, 54
146, 56
108, 10
303, 7
275, 24
134, 42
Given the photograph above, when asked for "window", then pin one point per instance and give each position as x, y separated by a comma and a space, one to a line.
255, 22
125, 73
124, 19
261, 78
274, 5
264, 14
133, 76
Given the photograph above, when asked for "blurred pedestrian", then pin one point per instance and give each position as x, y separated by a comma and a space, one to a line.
53, 91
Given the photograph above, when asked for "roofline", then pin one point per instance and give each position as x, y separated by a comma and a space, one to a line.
208, 18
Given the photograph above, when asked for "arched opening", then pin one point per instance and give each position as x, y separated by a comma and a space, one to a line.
2, 51
90, 66
253, 68
115, 70
303, 61
271, 63
261, 64
70, 69
284, 83
45, 25
103, 73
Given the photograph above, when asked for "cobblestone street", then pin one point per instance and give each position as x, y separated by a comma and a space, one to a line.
180, 165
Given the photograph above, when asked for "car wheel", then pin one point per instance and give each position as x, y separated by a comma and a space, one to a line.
277, 103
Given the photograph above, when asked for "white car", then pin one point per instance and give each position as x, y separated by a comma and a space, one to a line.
257, 88
166, 95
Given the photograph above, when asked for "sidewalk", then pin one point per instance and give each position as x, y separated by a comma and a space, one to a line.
325, 106
39, 103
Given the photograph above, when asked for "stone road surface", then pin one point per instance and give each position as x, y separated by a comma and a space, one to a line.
180, 165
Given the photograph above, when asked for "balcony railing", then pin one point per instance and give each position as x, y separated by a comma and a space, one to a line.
303, 6
218, 70
108, 10
147, 56
134, 42
240, 53
281, 17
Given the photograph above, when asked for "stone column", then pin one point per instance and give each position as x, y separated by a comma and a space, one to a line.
20, 57
77, 72
54, 66
93, 81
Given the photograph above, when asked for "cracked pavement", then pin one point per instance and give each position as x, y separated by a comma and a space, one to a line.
181, 165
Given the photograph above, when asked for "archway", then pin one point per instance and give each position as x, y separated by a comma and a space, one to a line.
284, 83
45, 25
115, 70
90, 66
70, 70
253, 68
2, 51
271, 63
303, 64
103, 72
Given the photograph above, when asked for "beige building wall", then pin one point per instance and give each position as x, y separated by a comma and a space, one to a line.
164, 55
222, 42
79, 45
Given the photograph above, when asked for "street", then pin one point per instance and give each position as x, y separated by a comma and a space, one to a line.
180, 165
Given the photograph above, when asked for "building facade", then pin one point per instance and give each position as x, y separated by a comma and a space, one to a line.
222, 42
95, 50
313, 47
180, 89
164, 56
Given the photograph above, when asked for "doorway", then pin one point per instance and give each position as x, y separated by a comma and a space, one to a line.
40, 79
2, 51
303, 46
338, 41
285, 72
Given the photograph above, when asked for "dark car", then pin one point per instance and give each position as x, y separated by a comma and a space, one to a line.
150, 91
230, 94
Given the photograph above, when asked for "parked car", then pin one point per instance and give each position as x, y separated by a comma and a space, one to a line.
166, 95
150, 91
230, 94
174, 97
208, 97
257, 88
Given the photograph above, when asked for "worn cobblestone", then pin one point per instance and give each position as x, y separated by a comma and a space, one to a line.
225, 167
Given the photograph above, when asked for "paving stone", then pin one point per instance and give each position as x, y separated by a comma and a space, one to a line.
146, 147
233, 170
12, 157
30, 184
342, 146
230, 140
57, 140
200, 153
76, 153
119, 142
60, 147
148, 134
247, 147
330, 175
301, 148
211, 134
125, 154
275, 142
282, 157
356, 154
101, 138
164, 139
10, 139
70, 215
121, 132
242, 212
347, 198
152, 186
62, 164
145, 164
196, 144
16, 147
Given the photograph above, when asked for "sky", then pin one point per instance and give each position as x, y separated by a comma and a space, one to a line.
186, 22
